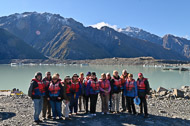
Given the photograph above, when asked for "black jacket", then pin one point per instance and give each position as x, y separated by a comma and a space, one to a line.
147, 89
112, 86
33, 85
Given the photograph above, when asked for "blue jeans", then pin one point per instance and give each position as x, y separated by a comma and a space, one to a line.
56, 108
38, 103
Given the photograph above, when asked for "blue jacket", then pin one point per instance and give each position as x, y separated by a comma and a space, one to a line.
130, 88
90, 89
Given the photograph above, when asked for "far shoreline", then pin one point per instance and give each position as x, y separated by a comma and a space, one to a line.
145, 61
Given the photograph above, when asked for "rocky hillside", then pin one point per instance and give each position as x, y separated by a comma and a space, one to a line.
65, 38
177, 44
11, 47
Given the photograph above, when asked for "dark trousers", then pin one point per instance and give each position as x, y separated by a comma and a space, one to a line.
86, 102
123, 100
130, 105
143, 104
73, 104
93, 101
46, 108
110, 102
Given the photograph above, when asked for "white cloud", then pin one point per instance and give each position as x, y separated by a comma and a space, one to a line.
186, 37
101, 24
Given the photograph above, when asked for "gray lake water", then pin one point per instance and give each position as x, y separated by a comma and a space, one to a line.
20, 76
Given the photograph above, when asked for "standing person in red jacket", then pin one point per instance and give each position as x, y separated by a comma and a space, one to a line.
108, 77
123, 80
116, 91
37, 92
46, 105
67, 96
55, 96
84, 87
81, 98
75, 93
104, 93
93, 88
143, 91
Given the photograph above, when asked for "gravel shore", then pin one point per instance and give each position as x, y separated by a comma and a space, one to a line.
18, 111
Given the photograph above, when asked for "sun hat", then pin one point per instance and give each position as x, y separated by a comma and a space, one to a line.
137, 101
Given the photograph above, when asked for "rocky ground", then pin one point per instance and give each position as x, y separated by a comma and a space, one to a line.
165, 109
106, 61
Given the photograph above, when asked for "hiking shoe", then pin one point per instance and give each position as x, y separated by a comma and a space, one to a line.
60, 118
107, 113
67, 118
54, 119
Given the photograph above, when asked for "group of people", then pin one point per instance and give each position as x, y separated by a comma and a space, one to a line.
50, 92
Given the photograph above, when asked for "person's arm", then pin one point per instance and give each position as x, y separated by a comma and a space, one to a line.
30, 89
109, 89
88, 88
61, 91
147, 89
136, 92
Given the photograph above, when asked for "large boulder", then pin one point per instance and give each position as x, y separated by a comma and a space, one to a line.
178, 93
161, 89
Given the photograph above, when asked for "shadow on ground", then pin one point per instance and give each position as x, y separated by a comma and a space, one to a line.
119, 120
6, 115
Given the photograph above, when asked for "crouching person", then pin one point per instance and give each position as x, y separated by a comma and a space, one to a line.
55, 95
143, 91
36, 92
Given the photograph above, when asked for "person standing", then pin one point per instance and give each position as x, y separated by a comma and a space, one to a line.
67, 96
75, 93
81, 98
36, 92
130, 91
84, 88
108, 77
104, 93
123, 80
93, 88
115, 91
55, 96
143, 91
46, 104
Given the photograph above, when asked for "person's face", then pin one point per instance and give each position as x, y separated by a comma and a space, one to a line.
116, 74
58, 76
130, 77
108, 76
75, 77
48, 75
125, 73
67, 80
39, 77
140, 76
54, 80
93, 76
103, 77
88, 76
82, 76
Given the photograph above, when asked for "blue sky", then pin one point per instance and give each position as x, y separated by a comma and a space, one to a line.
156, 16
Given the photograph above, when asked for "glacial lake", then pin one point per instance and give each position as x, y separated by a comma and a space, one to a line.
20, 76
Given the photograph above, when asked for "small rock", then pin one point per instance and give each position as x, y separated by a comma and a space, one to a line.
178, 93
163, 93
162, 111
